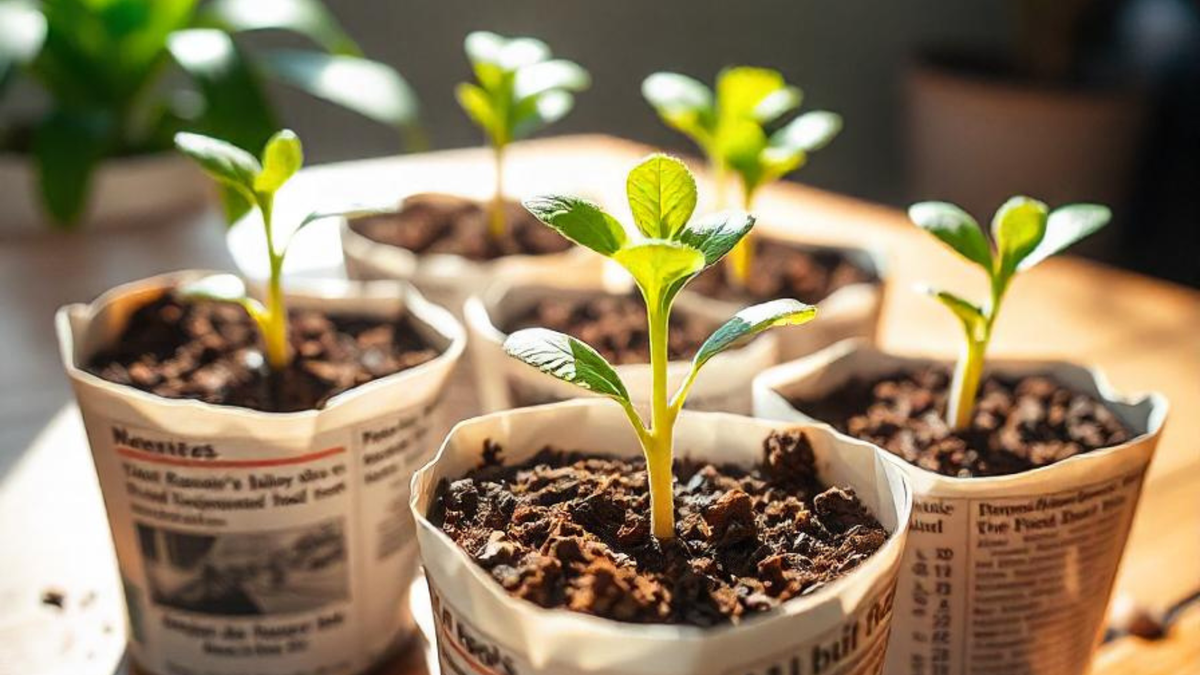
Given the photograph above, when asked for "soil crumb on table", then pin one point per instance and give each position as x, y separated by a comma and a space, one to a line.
435, 223
211, 351
615, 326
570, 530
1018, 425
784, 271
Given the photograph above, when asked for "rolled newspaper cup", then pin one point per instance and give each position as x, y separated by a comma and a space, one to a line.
274, 543
841, 627
1013, 572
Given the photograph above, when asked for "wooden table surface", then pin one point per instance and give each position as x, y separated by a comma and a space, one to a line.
1141, 332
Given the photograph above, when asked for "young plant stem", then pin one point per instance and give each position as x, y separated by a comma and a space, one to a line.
659, 441
274, 325
496, 225
741, 258
968, 372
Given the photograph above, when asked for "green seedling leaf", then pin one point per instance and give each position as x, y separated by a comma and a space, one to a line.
683, 103
282, 158
752, 321
658, 265
1017, 228
539, 111
662, 195
971, 315
567, 359
372, 89
475, 102
580, 221
809, 132
742, 90
1065, 226
309, 18
223, 288
716, 234
547, 76
955, 228
226, 163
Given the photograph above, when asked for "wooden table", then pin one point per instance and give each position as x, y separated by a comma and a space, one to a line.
1140, 331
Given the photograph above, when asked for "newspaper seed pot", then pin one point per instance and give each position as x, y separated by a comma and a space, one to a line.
840, 626
581, 304
440, 243
1010, 571
261, 542
845, 283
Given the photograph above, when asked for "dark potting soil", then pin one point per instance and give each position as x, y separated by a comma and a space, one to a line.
211, 352
1019, 424
436, 223
570, 530
614, 325
784, 271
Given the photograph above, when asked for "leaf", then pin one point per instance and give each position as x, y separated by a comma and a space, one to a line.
309, 18
235, 107
567, 359
777, 103
282, 158
955, 228
1017, 228
67, 148
1065, 226
658, 265
478, 106
808, 132
741, 90
372, 89
716, 234
224, 162
662, 195
969, 314
546, 76
752, 321
683, 103
222, 288
22, 33
580, 221
539, 111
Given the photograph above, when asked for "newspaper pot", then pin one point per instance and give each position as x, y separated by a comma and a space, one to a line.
1008, 573
504, 382
849, 312
481, 629
260, 542
125, 191
445, 278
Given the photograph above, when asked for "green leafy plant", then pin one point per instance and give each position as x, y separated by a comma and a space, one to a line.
108, 68
255, 181
740, 129
1024, 233
518, 88
672, 249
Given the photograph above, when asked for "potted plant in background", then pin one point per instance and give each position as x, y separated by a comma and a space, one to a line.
450, 245
253, 453
555, 543
1026, 474
741, 131
609, 315
99, 151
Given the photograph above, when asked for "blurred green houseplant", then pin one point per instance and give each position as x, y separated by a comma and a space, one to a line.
111, 70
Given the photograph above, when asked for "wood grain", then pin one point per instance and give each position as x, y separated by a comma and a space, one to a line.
1141, 332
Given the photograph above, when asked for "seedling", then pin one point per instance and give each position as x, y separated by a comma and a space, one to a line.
734, 130
1024, 233
256, 182
518, 88
671, 250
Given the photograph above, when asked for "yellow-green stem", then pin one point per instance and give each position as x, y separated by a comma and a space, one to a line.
741, 258
496, 225
658, 445
965, 386
274, 325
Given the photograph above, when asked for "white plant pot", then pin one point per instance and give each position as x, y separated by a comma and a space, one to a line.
504, 382
125, 191
448, 279
210, 503
1009, 573
840, 628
